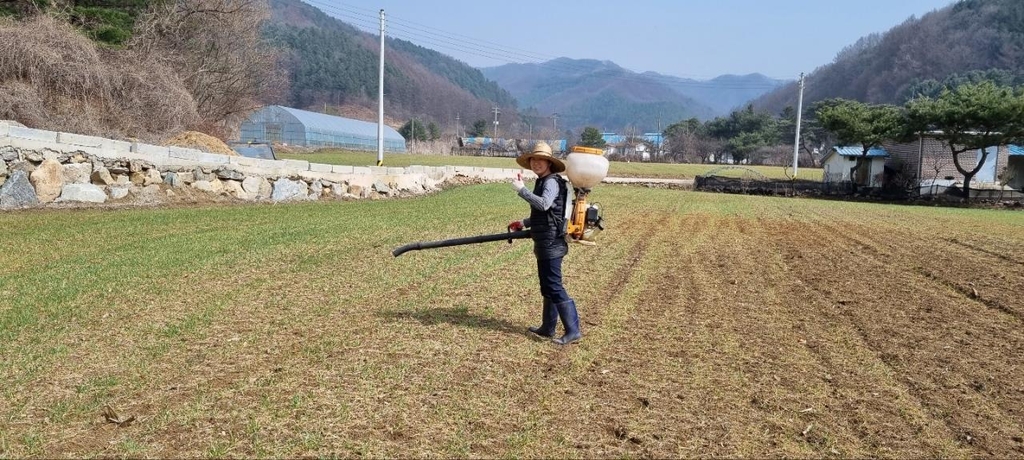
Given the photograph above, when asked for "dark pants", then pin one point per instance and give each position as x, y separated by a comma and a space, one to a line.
550, 273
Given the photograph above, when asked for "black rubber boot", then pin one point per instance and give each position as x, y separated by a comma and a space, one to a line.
571, 321
548, 321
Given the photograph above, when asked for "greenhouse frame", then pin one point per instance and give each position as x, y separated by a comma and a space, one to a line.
277, 124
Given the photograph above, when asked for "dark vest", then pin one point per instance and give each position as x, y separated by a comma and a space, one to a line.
547, 228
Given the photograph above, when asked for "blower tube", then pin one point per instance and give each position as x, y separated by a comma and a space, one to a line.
460, 241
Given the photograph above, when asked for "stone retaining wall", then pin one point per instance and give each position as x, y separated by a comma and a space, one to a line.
40, 167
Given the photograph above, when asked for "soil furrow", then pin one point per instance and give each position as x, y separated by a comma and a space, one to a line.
899, 344
998, 255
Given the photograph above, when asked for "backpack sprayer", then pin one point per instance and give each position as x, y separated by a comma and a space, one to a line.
586, 167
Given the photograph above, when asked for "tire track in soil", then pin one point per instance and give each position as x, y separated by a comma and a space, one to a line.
982, 250
984, 279
807, 390
740, 272
804, 391
619, 281
712, 387
970, 293
640, 421
941, 378
853, 370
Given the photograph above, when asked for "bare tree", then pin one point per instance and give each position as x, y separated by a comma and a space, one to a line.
937, 164
216, 49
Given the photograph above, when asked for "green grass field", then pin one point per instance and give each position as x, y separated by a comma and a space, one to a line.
714, 326
616, 168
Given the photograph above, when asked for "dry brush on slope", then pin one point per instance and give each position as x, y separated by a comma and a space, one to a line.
55, 78
191, 64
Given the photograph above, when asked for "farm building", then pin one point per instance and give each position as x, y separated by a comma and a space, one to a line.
838, 162
641, 147
930, 161
284, 125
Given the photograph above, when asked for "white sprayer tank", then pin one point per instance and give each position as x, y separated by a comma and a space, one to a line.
586, 167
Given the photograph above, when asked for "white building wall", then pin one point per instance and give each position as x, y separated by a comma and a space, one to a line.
877, 170
837, 168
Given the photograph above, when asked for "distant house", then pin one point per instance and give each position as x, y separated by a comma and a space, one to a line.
838, 162
929, 161
633, 146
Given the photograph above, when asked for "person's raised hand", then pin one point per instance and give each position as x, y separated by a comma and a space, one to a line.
517, 183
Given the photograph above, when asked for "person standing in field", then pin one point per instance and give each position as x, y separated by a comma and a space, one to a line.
548, 202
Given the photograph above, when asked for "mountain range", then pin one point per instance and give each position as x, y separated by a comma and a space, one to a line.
602, 93
333, 63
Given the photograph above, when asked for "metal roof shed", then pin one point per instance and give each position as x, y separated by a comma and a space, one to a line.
279, 124
840, 159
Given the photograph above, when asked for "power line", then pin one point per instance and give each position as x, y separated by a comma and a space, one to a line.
459, 37
421, 30
413, 35
566, 68
449, 41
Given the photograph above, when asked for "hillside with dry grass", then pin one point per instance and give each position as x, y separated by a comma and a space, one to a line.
186, 65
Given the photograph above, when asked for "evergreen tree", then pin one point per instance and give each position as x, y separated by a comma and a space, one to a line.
591, 137
479, 129
414, 130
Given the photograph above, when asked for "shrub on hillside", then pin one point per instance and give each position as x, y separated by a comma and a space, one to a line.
53, 77
218, 53
190, 65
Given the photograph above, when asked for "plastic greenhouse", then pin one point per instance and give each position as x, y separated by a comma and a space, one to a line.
285, 125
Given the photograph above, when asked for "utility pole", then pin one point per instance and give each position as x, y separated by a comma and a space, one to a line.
660, 135
380, 97
799, 114
554, 118
458, 124
413, 133
496, 112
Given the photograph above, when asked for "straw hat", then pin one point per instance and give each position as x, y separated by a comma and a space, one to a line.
541, 150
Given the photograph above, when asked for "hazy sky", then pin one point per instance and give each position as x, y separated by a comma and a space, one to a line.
686, 38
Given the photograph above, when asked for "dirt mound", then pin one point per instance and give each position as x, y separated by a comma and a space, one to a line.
200, 141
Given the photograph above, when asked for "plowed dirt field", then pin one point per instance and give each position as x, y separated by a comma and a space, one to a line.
714, 326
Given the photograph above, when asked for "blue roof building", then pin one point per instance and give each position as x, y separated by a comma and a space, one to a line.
285, 125
612, 138
856, 151
841, 159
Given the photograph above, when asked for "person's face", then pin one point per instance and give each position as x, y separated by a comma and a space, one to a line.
540, 166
